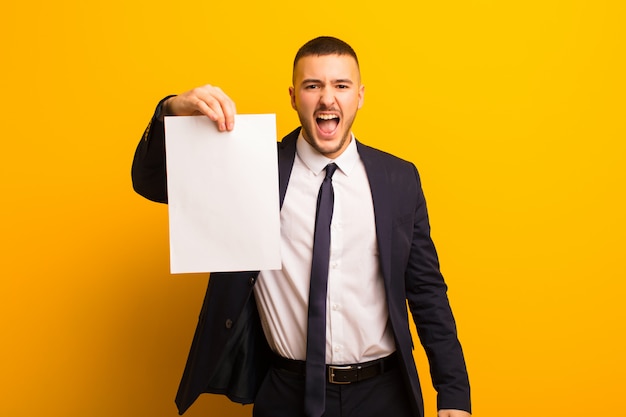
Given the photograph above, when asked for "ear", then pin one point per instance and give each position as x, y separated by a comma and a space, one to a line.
361, 95
292, 94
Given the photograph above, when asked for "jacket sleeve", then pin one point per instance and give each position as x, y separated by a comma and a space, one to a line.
429, 305
148, 171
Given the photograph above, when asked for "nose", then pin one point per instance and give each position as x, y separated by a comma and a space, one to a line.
327, 97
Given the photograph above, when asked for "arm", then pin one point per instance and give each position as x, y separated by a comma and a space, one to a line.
429, 305
149, 170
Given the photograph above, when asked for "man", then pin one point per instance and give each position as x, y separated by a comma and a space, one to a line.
255, 340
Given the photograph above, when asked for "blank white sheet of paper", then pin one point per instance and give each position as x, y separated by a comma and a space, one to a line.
224, 212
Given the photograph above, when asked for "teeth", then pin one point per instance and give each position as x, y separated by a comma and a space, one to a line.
327, 116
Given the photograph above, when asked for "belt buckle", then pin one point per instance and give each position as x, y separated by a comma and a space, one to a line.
331, 373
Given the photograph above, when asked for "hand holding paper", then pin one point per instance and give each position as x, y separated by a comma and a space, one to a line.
208, 100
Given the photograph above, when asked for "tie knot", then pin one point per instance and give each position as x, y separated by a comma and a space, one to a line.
330, 170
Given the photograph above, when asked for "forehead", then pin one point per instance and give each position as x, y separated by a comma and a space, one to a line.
324, 67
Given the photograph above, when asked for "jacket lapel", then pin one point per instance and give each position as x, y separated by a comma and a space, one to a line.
286, 156
378, 180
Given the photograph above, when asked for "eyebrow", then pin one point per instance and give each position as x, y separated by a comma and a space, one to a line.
338, 81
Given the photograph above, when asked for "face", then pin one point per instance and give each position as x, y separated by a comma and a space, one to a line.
327, 94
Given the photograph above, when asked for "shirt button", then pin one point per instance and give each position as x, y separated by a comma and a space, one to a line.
228, 324
335, 307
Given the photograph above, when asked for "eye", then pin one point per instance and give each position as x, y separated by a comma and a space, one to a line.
311, 87
342, 86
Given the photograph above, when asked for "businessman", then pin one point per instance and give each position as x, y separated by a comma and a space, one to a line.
328, 334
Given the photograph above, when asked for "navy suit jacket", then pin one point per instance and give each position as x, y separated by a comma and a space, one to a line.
229, 354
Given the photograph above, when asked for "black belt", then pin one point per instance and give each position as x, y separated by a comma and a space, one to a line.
342, 374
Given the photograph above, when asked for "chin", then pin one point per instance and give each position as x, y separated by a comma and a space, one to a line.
329, 147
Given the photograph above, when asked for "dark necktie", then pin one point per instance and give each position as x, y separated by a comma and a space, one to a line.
315, 380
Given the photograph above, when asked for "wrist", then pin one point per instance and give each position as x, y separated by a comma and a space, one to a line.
164, 109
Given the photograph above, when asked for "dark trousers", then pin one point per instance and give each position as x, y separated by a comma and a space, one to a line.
282, 395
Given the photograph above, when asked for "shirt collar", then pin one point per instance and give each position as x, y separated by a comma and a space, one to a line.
316, 162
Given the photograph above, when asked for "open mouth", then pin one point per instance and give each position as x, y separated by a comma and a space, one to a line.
327, 123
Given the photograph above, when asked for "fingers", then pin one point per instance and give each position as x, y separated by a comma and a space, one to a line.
216, 105
208, 100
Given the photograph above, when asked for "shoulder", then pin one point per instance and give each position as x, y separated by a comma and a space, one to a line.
377, 158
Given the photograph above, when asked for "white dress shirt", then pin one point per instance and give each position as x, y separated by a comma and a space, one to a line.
357, 328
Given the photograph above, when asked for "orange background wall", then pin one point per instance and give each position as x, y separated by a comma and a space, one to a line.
514, 112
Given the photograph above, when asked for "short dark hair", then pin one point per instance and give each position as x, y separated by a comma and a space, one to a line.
325, 45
